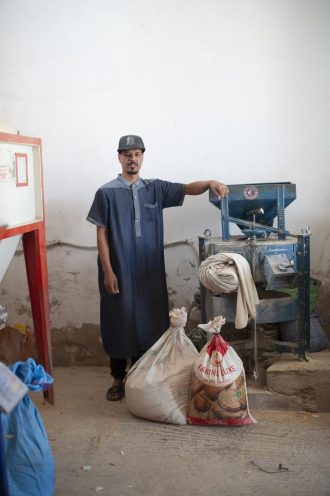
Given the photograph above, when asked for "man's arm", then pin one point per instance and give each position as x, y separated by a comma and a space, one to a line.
110, 279
199, 187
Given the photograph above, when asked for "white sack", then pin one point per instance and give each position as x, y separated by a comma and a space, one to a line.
218, 389
218, 363
157, 387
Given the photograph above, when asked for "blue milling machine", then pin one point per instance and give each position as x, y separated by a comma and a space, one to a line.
278, 259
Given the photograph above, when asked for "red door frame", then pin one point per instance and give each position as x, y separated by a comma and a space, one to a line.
35, 255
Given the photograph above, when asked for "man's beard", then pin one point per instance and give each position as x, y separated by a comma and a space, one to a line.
132, 172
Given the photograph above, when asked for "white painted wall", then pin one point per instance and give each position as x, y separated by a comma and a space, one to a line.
236, 90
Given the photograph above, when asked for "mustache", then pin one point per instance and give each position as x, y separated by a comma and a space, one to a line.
132, 163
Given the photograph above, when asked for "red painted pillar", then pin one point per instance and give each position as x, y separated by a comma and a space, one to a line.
34, 243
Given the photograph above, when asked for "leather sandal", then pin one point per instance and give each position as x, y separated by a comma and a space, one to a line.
116, 393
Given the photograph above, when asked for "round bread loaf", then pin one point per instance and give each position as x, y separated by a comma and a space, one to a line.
201, 402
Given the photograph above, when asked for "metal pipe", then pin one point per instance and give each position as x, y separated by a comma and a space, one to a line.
251, 225
255, 350
303, 267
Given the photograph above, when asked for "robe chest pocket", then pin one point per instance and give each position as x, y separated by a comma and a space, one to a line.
150, 211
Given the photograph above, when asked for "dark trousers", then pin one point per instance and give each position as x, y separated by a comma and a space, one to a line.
118, 366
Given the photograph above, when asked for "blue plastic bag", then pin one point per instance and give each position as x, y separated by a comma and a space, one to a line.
28, 455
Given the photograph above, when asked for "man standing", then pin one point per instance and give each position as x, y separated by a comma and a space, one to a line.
128, 213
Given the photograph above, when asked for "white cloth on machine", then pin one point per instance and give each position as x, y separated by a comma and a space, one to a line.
228, 273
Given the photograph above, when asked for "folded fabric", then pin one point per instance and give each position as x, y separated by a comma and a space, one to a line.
228, 273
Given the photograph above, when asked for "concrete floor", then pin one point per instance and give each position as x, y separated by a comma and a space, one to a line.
100, 448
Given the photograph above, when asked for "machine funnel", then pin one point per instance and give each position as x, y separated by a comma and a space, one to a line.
258, 203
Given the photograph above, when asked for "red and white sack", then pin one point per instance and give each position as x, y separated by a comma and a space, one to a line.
218, 390
157, 387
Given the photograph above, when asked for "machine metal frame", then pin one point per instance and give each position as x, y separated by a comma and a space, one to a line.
266, 201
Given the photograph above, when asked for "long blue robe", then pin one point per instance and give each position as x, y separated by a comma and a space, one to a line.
134, 319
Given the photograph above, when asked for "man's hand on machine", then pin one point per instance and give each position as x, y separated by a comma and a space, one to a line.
219, 189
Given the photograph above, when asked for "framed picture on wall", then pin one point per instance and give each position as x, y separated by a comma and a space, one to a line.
21, 164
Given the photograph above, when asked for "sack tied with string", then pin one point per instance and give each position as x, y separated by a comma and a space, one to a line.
157, 387
218, 390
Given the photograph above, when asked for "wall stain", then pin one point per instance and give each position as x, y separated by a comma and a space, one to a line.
24, 310
54, 304
185, 269
78, 345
